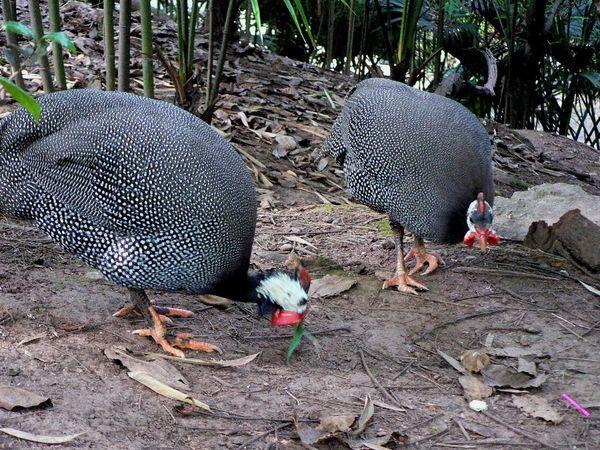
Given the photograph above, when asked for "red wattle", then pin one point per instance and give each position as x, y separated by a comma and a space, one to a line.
283, 318
469, 239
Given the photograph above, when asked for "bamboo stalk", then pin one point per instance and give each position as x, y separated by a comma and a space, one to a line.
192, 38
211, 48
57, 52
214, 91
12, 42
148, 72
36, 24
109, 44
124, 44
349, 38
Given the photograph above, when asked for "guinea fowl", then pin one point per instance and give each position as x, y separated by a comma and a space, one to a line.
423, 159
148, 194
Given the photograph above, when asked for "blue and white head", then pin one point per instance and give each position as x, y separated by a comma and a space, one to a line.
280, 292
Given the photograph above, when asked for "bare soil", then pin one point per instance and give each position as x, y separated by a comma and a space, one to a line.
44, 291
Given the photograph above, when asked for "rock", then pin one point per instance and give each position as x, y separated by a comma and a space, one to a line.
547, 202
573, 236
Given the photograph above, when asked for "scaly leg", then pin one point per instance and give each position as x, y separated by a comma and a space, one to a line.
421, 256
158, 329
401, 280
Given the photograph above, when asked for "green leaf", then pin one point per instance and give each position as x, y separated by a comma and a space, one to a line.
295, 340
60, 38
256, 13
294, 16
23, 97
18, 28
305, 22
593, 77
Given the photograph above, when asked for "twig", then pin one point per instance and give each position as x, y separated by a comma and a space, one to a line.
573, 333
262, 435
377, 384
516, 430
458, 319
285, 336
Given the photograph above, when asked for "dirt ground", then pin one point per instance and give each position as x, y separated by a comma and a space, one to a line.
44, 291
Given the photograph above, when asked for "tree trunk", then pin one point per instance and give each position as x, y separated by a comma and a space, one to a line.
13, 42
124, 44
57, 52
109, 44
147, 62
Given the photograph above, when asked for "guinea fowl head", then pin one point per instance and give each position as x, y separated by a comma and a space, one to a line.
479, 220
284, 295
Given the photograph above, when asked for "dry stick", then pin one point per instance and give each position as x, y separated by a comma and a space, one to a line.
377, 384
516, 430
458, 319
262, 435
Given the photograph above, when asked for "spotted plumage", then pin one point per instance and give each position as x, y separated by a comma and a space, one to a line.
140, 189
419, 157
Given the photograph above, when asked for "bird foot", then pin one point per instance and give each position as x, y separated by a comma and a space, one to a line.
432, 259
163, 311
405, 284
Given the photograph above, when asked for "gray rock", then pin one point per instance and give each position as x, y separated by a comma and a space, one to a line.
547, 202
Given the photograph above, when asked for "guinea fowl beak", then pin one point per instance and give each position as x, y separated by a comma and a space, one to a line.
282, 317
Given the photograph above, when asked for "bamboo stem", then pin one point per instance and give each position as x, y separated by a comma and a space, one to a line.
349, 38
109, 44
124, 44
214, 91
192, 38
148, 72
57, 52
211, 48
12, 42
36, 24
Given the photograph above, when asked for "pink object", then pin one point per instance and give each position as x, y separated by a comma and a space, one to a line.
577, 406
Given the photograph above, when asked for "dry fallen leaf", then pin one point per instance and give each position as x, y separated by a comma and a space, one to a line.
452, 361
536, 406
330, 286
159, 369
528, 367
12, 398
592, 289
213, 363
474, 360
333, 424
500, 376
40, 438
474, 388
165, 390
365, 416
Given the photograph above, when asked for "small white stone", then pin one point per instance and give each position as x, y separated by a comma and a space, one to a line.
478, 405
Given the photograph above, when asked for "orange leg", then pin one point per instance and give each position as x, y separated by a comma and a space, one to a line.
421, 256
401, 280
157, 328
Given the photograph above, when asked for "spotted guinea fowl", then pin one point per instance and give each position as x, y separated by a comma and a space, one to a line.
423, 159
148, 194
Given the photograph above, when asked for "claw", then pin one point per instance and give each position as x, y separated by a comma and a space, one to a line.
184, 340
173, 312
432, 259
404, 283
